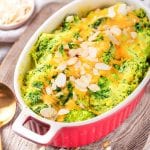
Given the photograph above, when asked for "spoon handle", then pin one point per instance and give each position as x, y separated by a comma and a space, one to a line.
0, 141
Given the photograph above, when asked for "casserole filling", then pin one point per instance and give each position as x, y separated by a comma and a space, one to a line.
89, 64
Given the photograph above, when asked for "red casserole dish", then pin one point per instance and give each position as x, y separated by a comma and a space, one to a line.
78, 133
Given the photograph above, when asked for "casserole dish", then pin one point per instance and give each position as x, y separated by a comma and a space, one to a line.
79, 133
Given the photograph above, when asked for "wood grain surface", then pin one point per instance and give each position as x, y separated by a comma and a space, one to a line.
131, 135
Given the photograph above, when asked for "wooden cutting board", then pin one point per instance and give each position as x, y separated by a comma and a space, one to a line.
131, 135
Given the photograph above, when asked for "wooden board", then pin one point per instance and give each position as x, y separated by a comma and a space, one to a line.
131, 135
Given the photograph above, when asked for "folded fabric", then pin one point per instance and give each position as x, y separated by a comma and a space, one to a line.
147, 2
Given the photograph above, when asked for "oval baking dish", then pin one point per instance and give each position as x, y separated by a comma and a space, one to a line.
74, 134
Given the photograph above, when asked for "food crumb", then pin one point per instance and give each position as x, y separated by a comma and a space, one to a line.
108, 148
106, 145
43, 148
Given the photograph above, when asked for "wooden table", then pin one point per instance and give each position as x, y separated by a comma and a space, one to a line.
131, 135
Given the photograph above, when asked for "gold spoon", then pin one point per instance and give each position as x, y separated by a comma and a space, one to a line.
7, 106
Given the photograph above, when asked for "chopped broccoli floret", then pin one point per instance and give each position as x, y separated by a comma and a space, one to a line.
37, 108
61, 49
34, 75
63, 99
143, 24
103, 82
66, 26
123, 66
104, 91
116, 66
33, 97
98, 22
70, 87
78, 115
41, 68
83, 101
76, 18
140, 13
43, 44
139, 27
76, 35
108, 55
58, 89
37, 84
73, 45
46, 42
99, 38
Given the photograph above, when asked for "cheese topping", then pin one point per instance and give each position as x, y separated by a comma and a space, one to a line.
88, 65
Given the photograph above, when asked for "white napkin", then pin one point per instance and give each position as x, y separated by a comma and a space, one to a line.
147, 2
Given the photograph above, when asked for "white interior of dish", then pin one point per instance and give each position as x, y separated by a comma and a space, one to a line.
78, 7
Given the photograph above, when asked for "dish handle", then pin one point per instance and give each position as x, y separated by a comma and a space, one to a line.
19, 128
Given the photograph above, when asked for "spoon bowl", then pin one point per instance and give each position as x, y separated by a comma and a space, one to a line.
7, 106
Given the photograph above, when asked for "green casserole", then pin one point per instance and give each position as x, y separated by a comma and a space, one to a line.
89, 64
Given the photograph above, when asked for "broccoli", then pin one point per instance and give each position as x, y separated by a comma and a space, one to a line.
104, 91
83, 101
43, 68
41, 47
61, 49
102, 94
73, 45
144, 23
78, 115
37, 108
140, 13
103, 82
138, 27
123, 66
33, 97
76, 18
46, 42
67, 24
108, 55
43, 44
70, 87
99, 38
37, 84
98, 22
76, 35
32, 77
58, 89
116, 66
63, 99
